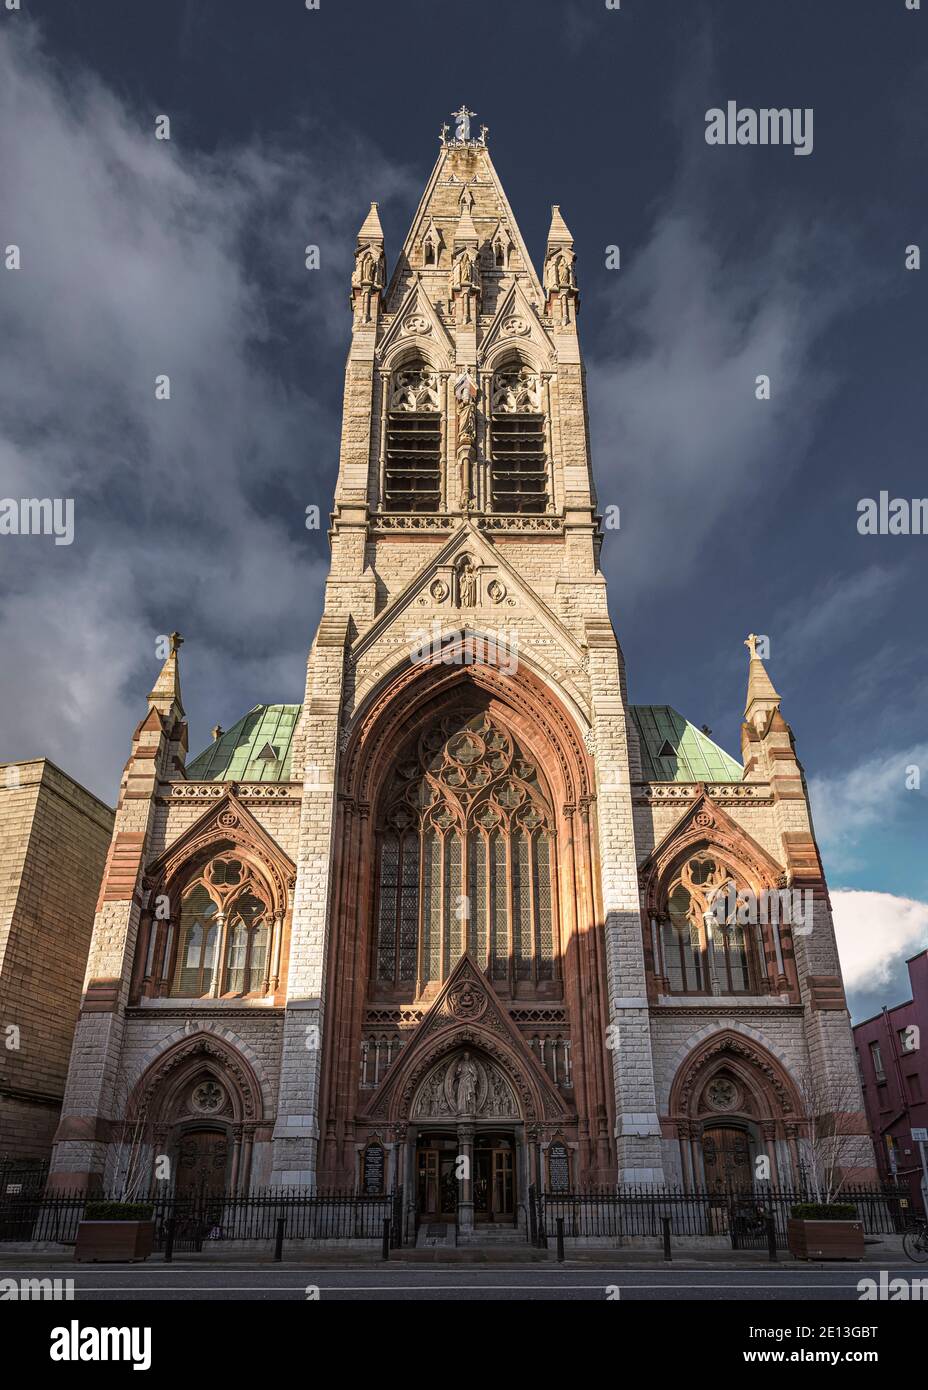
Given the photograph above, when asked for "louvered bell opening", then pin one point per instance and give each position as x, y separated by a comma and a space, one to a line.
413, 463
519, 472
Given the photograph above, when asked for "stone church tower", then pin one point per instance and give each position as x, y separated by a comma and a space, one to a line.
464, 900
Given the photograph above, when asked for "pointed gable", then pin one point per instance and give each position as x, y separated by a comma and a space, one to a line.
444, 208
468, 1013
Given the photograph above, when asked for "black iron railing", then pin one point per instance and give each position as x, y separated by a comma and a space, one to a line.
205, 1218
617, 1214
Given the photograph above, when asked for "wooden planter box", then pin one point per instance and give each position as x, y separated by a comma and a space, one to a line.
825, 1240
114, 1240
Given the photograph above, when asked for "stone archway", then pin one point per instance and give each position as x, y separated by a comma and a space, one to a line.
467, 1131
200, 1105
403, 708
736, 1113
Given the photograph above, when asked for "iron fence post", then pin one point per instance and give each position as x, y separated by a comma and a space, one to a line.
385, 1244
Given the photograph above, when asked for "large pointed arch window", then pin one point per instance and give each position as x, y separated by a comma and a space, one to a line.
465, 861
705, 946
224, 933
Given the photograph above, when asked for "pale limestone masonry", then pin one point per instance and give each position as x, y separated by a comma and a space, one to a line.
540, 594
54, 836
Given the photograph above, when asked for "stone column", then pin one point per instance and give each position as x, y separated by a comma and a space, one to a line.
466, 1184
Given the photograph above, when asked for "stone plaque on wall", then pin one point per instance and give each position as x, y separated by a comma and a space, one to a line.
372, 1170
558, 1167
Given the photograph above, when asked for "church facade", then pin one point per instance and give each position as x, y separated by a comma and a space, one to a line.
463, 902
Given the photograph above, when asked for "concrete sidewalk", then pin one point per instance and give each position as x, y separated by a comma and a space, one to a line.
62, 1258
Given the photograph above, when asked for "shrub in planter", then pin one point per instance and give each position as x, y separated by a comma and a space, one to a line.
115, 1231
824, 1211
118, 1211
825, 1231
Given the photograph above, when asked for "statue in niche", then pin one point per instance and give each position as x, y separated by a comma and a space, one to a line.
466, 392
467, 585
465, 1086
465, 283
367, 279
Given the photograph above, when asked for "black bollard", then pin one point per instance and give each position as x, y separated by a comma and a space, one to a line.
279, 1244
560, 1240
665, 1222
772, 1236
169, 1243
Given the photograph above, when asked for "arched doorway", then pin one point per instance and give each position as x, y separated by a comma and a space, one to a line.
467, 1141
201, 1105
736, 1112
457, 789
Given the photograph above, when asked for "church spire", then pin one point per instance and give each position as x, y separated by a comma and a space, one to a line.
368, 278
762, 698
562, 299
165, 695
371, 229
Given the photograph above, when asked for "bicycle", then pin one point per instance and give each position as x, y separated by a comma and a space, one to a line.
915, 1242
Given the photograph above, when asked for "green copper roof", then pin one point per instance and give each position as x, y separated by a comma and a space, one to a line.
237, 755
244, 752
695, 758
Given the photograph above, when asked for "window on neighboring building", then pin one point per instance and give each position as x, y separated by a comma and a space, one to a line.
876, 1057
705, 949
914, 1083
519, 469
465, 860
412, 466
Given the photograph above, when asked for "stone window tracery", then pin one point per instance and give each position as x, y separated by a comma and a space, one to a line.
705, 948
412, 465
519, 468
465, 860
224, 933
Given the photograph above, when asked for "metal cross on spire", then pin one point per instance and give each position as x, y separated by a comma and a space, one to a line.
462, 129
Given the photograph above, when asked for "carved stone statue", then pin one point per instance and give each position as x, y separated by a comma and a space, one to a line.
366, 279
467, 585
466, 392
465, 1086
466, 283
560, 280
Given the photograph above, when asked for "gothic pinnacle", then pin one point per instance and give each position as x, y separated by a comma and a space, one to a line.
761, 697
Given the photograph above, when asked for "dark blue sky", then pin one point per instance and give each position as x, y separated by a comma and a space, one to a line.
737, 516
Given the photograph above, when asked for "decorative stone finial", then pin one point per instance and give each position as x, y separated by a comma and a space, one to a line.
462, 130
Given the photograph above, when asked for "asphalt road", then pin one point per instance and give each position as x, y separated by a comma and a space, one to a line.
292, 1282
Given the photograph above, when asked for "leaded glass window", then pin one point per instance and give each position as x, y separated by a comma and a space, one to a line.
224, 937
706, 950
465, 860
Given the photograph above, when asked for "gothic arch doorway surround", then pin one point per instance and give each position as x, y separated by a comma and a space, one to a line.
732, 1103
406, 704
200, 1104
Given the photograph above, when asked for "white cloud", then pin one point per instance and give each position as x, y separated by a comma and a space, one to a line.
847, 804
142, 257
876, 932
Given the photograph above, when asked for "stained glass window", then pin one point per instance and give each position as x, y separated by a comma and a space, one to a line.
466, 817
